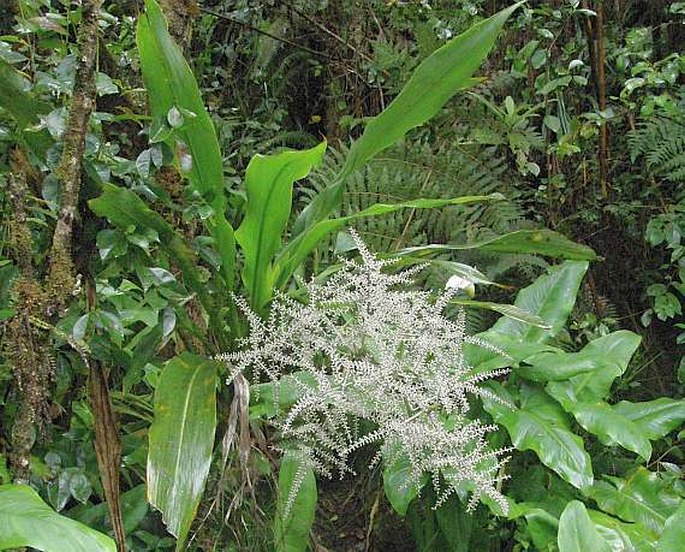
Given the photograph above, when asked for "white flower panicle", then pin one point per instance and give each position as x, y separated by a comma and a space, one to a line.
384, 366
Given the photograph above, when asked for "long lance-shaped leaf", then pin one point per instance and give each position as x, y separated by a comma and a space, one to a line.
296, 504
437, 78
170, 84
510, 311
181, 440
123, 209
269, 187
538, 242
298, 248
25, 520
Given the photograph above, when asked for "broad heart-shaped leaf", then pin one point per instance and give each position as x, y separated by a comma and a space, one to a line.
25, 520
594, 386
435, 80
654, 418
537, 242
181, 440
601, 420
170, 84
642, 498
540, 425
577, 533
673, 537
292, 527
269, 187
299, 247
123, 208
607, 355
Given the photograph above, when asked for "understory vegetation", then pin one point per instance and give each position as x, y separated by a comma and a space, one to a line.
342, 275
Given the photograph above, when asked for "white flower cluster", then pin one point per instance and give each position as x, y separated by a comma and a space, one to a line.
384, 367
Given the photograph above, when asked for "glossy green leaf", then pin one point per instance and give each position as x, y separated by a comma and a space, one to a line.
551, 298
620, 535
577, 533
292, 527
594, 386
181, 440
641, 498
601, 420
25, 520
536, 242
606, 355
298, 248
654, 418
673, 537
170, 84
539, 424
433, 83
269, 186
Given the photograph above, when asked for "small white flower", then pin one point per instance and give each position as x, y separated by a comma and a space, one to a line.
374, 351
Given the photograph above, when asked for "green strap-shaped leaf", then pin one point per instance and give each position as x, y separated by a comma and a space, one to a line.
510, 311
642, 498
170, 84
577, 533
654, 418
537, 242
181, 440
293, 524
540, 425
25, 520
269, 186
435, 80
298, 248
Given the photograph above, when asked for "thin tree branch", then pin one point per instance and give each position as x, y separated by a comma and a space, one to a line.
61, 273
265, 33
